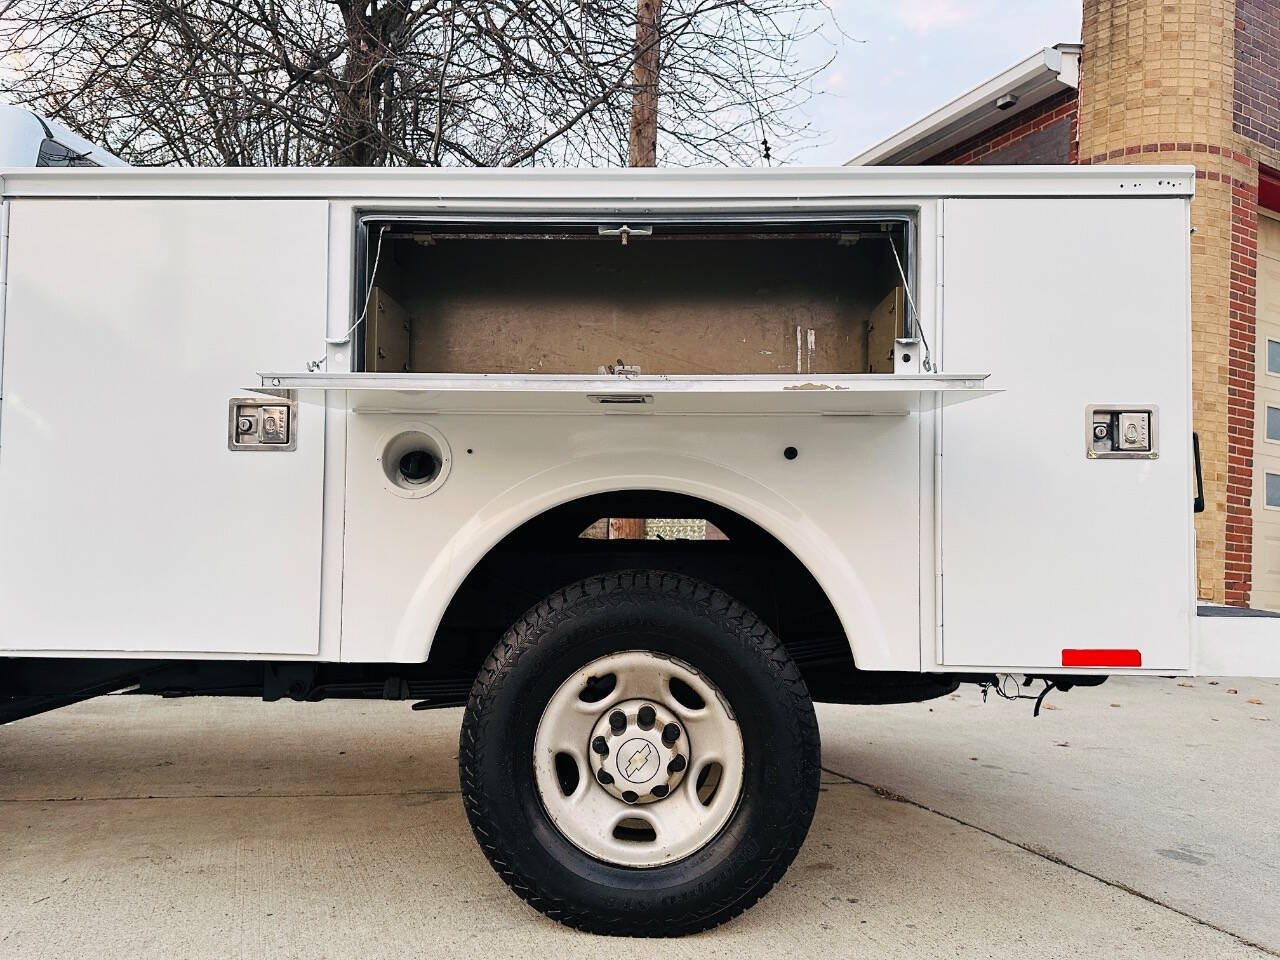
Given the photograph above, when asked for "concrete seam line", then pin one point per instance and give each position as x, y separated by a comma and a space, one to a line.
886, 794
237, 796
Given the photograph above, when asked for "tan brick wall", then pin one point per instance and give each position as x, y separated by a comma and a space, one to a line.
1156, 71
1157, 82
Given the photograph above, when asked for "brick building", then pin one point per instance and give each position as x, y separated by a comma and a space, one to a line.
1172, 81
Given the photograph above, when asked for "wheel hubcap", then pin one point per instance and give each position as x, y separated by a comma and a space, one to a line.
638, 759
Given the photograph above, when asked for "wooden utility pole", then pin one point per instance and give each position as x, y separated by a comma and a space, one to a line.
627, 528
642, 149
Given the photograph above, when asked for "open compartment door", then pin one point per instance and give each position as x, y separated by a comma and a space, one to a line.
833, 394
1061, 550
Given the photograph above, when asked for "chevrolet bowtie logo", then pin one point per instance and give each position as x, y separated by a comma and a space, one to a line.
638, 759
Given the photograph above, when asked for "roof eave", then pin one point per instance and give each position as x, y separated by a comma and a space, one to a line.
1035, 79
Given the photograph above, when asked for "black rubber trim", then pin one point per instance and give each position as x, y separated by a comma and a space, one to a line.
1197, 505
1214, 611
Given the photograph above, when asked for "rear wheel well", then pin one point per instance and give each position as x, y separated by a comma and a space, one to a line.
604, 532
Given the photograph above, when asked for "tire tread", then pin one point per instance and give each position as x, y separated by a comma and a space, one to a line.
756, 640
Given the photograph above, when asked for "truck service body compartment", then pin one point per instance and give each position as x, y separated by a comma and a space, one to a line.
951, 525
725, 296
126, 526
1017, 542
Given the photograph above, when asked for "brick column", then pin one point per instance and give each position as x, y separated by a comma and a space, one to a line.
1157, 86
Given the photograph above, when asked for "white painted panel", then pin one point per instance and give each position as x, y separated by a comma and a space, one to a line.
847, 506
1067, 303
125, 522
1229, 645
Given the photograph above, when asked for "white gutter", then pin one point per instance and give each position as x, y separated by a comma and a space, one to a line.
1032, 81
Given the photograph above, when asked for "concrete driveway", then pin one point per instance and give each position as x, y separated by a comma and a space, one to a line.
1138, 819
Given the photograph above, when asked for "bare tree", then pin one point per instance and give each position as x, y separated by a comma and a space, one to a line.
412, 82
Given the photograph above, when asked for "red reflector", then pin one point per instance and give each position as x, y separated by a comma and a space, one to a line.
1102, 658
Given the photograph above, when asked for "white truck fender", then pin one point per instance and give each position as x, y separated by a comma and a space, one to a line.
582, 477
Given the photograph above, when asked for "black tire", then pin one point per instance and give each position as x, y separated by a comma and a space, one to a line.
710, 631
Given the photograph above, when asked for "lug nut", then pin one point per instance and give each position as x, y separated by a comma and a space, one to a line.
659, 791
670, 734
604, 776
676, 765
629, 796
600, 746
617, 721
646, 717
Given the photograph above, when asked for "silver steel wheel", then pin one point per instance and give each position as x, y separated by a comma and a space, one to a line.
638, 759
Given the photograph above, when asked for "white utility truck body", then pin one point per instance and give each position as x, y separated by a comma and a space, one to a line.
205, 411
969, 535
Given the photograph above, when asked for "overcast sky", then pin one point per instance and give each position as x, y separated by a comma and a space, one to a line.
908, 57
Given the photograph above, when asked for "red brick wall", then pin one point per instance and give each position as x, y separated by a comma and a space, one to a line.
1257, 83
1241, 319
1044, 134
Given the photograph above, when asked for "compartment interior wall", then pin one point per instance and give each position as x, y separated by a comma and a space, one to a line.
678, 305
